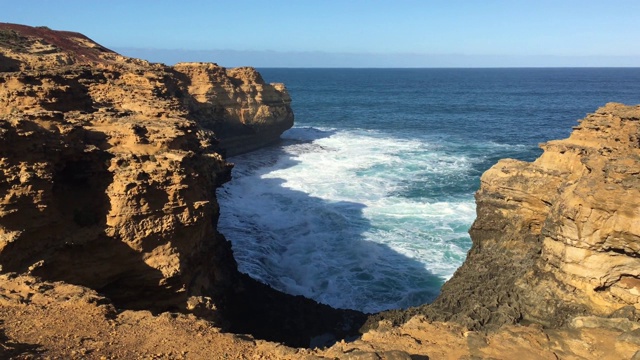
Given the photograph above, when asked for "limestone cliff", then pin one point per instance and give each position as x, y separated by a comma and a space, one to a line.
513, 273
107, 182
556, 238
108, 172
243, 111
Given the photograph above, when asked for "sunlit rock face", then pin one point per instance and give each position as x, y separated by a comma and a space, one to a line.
559, 236
110, 164
108, 172
108, 181
244, 111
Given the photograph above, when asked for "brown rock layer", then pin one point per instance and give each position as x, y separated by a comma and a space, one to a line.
108, 172
243, 111
107, 183
35, 322
556, 238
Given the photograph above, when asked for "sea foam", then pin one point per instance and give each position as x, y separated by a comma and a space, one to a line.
352, 218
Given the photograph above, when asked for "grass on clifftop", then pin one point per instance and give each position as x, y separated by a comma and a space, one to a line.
12, 40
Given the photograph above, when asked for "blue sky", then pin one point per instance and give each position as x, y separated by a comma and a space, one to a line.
353, 33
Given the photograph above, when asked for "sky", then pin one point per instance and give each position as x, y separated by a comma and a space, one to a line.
352, 33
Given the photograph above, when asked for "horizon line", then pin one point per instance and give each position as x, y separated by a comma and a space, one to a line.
318, 59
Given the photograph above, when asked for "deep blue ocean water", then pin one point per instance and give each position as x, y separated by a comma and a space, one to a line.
367, 202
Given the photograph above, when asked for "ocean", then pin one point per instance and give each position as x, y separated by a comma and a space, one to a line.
366, 202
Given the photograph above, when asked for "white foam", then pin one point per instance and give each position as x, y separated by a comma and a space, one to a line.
339, 216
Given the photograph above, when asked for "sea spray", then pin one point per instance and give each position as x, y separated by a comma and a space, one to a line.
354, 219
367, 202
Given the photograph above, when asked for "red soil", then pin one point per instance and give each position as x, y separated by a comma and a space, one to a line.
62, 40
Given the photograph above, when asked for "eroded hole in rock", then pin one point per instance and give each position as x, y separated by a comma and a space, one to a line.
623, 252
77, 188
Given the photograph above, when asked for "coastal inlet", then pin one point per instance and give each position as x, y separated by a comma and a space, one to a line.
367, 202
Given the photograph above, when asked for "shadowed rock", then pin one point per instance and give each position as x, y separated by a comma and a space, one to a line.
109, 169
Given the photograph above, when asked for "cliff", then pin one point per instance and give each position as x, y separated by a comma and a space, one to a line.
243, 111
109, 169
558, 237
515, 297
556, 243
108, 179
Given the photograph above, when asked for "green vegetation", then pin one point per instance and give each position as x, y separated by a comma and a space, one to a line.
11, 39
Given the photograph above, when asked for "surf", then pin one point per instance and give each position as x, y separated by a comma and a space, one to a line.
353, 218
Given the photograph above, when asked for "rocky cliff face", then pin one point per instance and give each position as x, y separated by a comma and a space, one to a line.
107, 181
109, 167
555, 238
243, 111
514, 274
591, 237
560, 236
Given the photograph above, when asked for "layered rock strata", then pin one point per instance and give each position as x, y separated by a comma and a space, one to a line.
555, 238
108, 172
35, 322
244, 112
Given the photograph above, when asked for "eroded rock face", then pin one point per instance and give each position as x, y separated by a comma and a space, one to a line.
100, 189
244, 111
34, 319
109, 166
558, 237
108, 172
591, 237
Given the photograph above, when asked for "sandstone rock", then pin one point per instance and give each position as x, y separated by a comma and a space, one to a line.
627, 312
600, 322
109, 167
121, 201
556, 238
62, 321
244, 112
632, 336
237, 105
36, 322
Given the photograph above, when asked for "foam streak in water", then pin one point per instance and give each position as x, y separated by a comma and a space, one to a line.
352, 218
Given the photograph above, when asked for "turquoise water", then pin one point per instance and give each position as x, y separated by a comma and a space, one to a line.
367, 202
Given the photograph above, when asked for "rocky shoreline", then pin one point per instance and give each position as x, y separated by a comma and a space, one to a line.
556, 238
110, 168
108, 226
